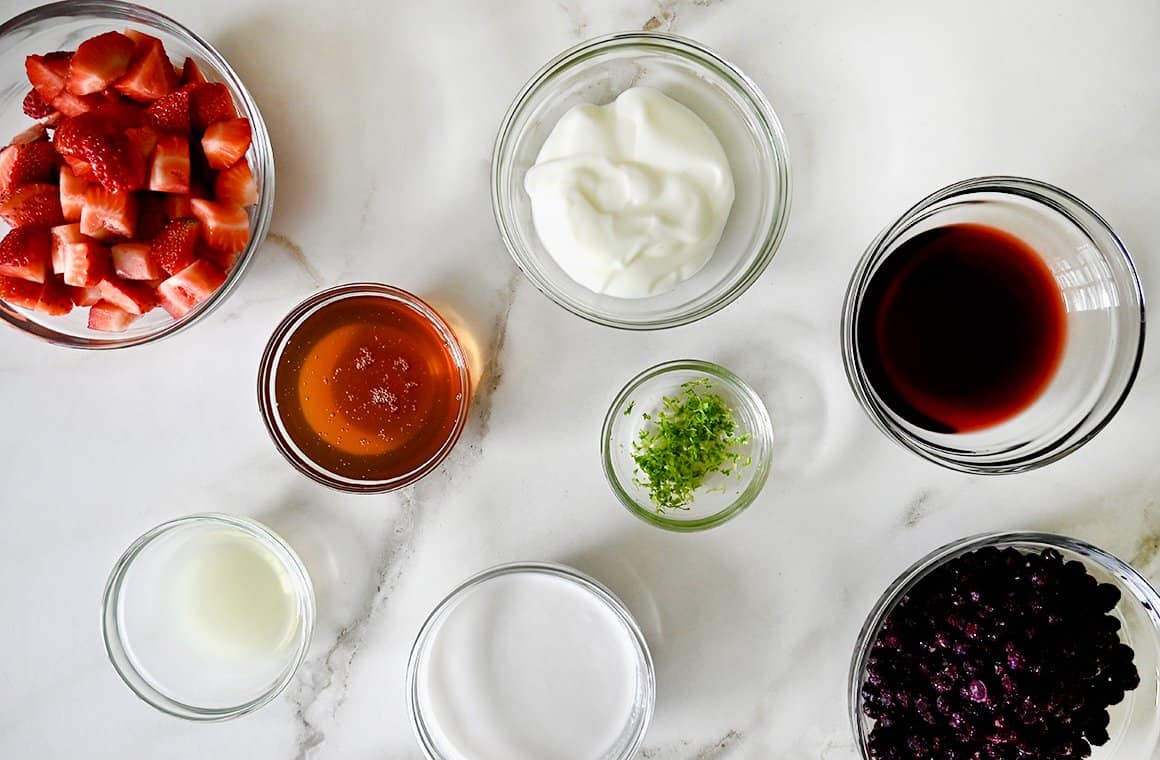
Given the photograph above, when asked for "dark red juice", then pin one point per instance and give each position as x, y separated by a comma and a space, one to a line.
961, 328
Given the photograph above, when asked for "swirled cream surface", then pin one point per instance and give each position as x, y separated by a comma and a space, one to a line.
631, 198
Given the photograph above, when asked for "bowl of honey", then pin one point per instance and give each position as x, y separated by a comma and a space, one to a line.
996, 327
364, 388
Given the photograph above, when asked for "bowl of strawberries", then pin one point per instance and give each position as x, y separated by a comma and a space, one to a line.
136, 175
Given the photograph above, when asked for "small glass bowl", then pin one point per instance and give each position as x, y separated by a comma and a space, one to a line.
272, 356
1135, 722
425, 725
1105, 324
599, 70
142, 644
723, 497
63, 26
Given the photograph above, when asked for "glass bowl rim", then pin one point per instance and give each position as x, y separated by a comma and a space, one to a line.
1042, 193
557, 570
113, 638
764, 434
916, 572
267, 370
115, 11
669, 44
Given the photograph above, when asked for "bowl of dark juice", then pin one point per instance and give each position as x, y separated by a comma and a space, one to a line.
997, 326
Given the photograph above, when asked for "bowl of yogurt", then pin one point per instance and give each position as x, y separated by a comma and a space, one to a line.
530, 661
641, 181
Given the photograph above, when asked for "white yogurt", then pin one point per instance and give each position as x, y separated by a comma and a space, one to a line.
631, 198
528, 666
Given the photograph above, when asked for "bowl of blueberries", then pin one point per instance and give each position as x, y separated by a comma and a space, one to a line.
1010, 645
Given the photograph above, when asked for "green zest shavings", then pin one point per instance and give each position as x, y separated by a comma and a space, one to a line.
689, 439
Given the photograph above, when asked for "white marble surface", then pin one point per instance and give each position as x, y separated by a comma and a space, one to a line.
383, 114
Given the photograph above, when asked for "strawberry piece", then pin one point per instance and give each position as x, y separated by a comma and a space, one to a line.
225, 142
189, 287
74, 105
112, 159
63, 236
169, 166
141, 41
19, 292
119, 113
33, 205
85, 296
142, 140
110, 213
133, 297
210, 103
236, 185
106, 317
22, 164
171, 112
34, 105
85, 264
174, 248
225, 227
223, 260
150, 76
191, 73
177, 206
25, 252
131, 261
35, 133
72, 194
98, 62
152, 217
48, 73
82, 169
55, 298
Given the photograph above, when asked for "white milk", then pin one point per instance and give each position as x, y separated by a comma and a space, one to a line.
528, 667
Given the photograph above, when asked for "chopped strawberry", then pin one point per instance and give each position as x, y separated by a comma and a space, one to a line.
55, 298
224, 227
22, 164
210, 103
236, 185
171, 112
173, 249
85, 296
118, 112
133, 297
35, 133
169, 166
223, 260
191, 73
109, 212
34, 105
189, 287
98, 62
82, 169
48, 73
150, 77
142, 140
63, 236
74, 105
85, 264
225, 142
177, 206
19, 292
25, 252
72, 194
113, 161
32, 205
132, 261
141, 41
152, 216
106, 317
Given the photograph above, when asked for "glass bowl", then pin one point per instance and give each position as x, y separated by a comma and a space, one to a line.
423, 667
599, 70
146, 630
272, 359
1104, 316
1135, 722
63, 26
721, 497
